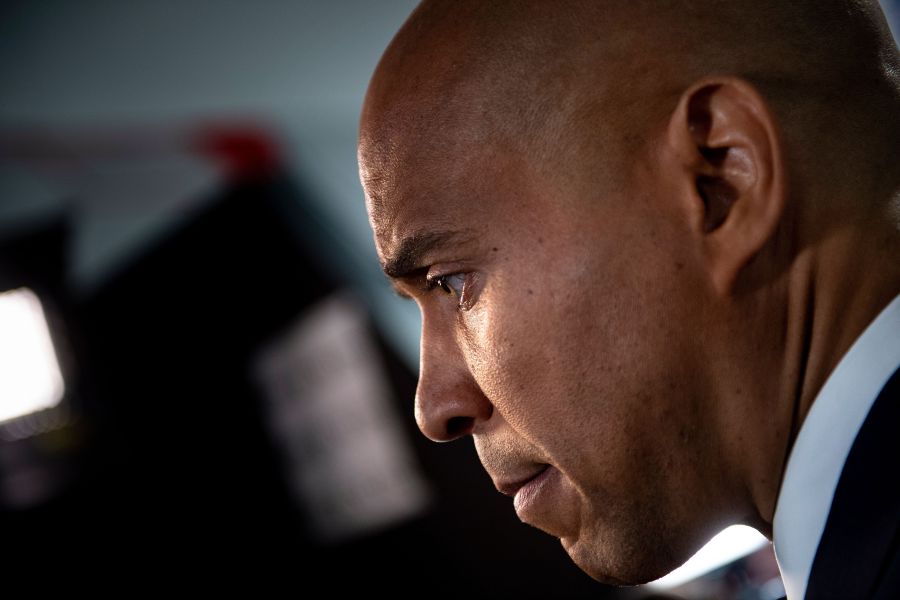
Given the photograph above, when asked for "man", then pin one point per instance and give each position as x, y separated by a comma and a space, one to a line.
643, 235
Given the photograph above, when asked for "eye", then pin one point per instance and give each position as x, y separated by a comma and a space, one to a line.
452, 284
456, 285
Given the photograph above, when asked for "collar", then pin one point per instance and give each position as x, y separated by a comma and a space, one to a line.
823, 443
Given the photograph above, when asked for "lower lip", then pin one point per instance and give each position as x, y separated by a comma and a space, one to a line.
537, 491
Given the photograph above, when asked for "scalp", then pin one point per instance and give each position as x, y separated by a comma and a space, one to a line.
564, 80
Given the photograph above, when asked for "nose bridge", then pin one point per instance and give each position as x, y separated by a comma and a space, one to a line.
449, 402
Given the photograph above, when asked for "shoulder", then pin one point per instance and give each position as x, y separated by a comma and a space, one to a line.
859, 553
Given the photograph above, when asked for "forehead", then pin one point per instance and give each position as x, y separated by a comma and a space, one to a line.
435, 163
435, 152
419, 182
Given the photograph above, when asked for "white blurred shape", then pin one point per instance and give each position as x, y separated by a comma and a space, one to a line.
729, 545
30, 379
331, 410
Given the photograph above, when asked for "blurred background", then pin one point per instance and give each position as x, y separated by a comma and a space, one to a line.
204, 377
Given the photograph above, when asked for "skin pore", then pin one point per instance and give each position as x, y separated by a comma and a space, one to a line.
641, 237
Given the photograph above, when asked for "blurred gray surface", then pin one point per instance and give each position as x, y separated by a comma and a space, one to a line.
301, 67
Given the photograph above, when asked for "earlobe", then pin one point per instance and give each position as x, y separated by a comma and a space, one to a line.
727, 141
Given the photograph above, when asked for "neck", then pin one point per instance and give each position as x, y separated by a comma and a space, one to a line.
840, 310
838, 287
834, 287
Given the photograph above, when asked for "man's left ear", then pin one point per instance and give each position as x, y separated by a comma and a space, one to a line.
727, 140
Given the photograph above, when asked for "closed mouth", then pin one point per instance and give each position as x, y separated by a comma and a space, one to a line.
512, 487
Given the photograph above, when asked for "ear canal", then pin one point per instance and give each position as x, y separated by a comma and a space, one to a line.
714, 156
718, 197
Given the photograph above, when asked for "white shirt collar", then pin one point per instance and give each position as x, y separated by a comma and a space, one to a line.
823, 443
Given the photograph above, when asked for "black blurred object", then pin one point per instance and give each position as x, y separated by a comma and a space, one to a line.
41, 452
182, 481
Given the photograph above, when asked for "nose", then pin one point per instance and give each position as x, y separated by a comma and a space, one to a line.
449, 402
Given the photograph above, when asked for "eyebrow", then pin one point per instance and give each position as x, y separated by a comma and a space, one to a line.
411, 251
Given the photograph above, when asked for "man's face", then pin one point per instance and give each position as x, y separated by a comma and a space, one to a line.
561, 329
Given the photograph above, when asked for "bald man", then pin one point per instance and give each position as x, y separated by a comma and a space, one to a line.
656, 248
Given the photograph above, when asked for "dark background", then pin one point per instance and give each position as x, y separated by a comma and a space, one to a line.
169, 473
178, 184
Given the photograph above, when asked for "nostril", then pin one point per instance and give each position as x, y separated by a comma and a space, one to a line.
459, 426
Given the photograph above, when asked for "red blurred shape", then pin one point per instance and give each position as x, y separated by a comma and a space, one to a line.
246, 152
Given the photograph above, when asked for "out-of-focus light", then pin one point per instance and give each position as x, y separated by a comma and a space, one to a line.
729, 545
30, 378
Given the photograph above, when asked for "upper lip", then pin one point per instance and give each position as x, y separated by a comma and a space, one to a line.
511, 486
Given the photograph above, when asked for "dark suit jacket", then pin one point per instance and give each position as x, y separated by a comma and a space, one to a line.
859, 553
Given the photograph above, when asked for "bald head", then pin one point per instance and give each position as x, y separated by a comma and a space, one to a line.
557, 80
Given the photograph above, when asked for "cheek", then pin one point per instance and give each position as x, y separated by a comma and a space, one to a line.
538, 357
587, 371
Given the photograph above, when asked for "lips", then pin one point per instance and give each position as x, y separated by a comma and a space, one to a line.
527, 491
543, 496
531, 492
511, 488
542, 499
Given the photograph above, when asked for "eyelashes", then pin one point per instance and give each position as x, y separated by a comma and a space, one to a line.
449, 284
454, 285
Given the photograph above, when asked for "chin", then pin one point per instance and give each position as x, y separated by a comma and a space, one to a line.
626, 565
